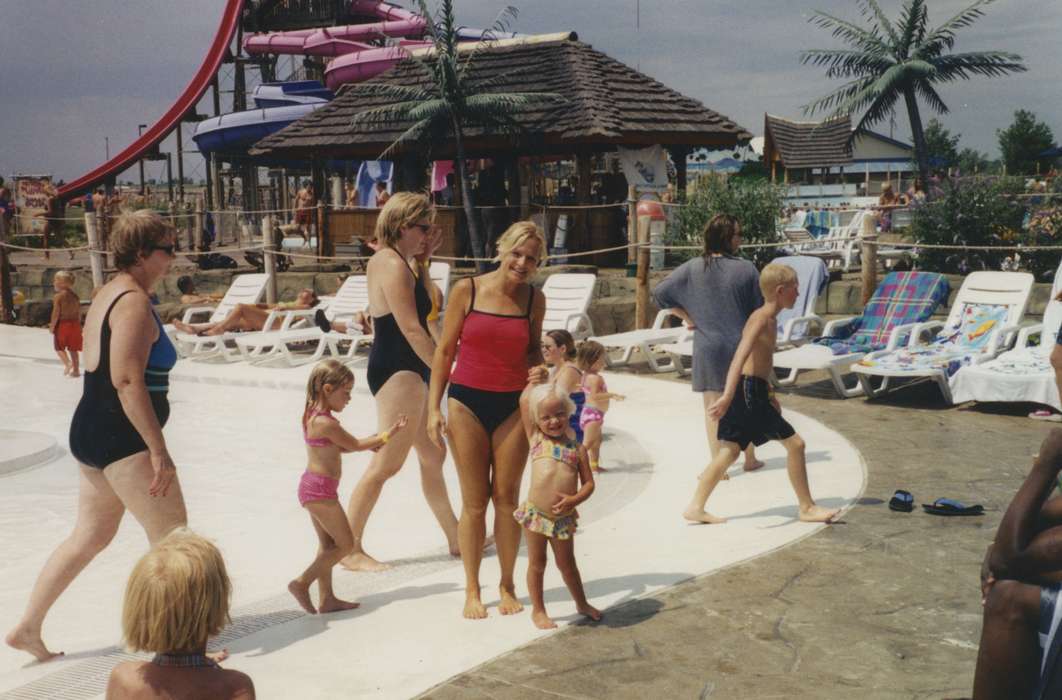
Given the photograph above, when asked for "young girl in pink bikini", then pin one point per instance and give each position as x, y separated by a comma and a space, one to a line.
590, 359
328, 390
560, 480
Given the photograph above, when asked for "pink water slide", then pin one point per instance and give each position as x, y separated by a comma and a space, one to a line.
354, 61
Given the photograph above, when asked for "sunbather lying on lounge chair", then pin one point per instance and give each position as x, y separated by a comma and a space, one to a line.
249, 317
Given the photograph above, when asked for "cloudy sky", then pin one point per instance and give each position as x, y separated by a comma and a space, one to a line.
75, 75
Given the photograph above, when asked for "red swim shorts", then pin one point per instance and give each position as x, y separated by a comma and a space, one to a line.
304, 217
68, 335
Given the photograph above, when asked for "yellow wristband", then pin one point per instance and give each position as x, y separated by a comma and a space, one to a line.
385, 436
425, 264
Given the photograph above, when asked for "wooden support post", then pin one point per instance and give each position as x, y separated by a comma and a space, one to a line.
869, 253
268, 259
525, 202
324, 238
7, 302
199, 225
95, 257
641, 297
189, 223
180, 161
632, 224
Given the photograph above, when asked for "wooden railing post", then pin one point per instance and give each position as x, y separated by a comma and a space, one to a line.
868, 235
641, 297
95, 257
269, 259
7, 302
632, 223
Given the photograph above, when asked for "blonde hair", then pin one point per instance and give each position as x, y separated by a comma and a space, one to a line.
588, 353
401, 210
134, 233
540, 393
515, 236
177, 596
330, 371
65, 275
775, 275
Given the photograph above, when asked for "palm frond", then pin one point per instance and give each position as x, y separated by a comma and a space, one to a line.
398, 111
913, 22
871, 7
943, 37
511, 101
850, 33
414, 133
877, 111
406, 93
986, 63
431, 110
501, 24
836, 100
844, 63
930, 97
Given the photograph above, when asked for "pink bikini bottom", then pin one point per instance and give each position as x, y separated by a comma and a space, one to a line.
317, 487
590, 415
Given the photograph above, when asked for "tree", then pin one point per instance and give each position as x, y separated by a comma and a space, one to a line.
889, 61
1023, 141
972, 161
942, 149
453, 101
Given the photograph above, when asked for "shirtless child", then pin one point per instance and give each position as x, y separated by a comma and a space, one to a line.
748, 412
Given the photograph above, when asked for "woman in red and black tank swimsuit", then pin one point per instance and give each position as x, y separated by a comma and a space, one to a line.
402, 349
493, 327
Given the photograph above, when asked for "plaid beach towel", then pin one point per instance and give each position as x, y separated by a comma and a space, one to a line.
901, 298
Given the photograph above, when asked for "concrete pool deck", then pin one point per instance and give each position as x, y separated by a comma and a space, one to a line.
234, 435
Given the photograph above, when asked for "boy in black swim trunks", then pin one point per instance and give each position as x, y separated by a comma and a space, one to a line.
748, 412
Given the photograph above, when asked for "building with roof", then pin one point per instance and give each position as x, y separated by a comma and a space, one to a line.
828, 154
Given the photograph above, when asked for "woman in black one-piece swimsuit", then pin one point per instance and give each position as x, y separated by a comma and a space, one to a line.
402, 347
116, 436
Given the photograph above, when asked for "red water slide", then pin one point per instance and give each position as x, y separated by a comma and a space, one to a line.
187, 101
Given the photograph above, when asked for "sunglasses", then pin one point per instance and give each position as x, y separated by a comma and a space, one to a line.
424, 228
167, 249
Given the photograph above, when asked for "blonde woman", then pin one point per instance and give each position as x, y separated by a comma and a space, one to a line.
402, 348
497, 320
177, 597
116, 432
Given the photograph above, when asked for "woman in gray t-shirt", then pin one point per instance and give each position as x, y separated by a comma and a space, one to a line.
716, 292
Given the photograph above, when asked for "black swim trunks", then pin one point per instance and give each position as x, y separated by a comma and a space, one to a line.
752, 417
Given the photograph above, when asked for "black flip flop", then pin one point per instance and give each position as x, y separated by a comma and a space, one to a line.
901, 501
947, 506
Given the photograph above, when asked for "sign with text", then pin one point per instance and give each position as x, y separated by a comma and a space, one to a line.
31, 198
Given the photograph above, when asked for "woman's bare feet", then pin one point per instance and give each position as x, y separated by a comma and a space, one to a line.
27, 641
474, 608
301, 594
74, 373
508, 605
361, 561
590, 611
702, 516
333, 604
183, 327
542, 620
818, 514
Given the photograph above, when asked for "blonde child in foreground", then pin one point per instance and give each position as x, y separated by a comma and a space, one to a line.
65, 323
558, 465
177, 597
590, 358
748, 412
328, 390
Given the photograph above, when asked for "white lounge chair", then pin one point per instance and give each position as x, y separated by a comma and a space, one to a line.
568, 296
983, 321
1021, 374
643, 340
795, 326
244, 289
902, 300
841, 245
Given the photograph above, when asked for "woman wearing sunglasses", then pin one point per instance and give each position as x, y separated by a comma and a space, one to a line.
116, 433
400, 301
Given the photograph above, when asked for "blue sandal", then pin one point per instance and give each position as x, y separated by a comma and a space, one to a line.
947, 506
901, 501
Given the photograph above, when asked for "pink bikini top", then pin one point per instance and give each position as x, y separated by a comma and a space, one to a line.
568, 453
316, 442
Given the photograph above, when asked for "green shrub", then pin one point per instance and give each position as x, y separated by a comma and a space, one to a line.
755, 202
969, 212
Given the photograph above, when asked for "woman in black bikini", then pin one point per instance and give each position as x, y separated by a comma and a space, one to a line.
116, 432
399, 303
493, 328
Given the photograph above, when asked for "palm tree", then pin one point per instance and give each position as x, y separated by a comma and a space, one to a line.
452, 101
890, 60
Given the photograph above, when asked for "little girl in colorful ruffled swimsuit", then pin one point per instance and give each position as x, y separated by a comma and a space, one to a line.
590, 359
560, 480
328, 390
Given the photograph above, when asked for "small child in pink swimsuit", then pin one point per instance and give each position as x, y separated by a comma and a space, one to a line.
328, 390
590, 359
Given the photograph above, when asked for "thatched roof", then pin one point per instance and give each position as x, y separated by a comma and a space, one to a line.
807, 144
607, 104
